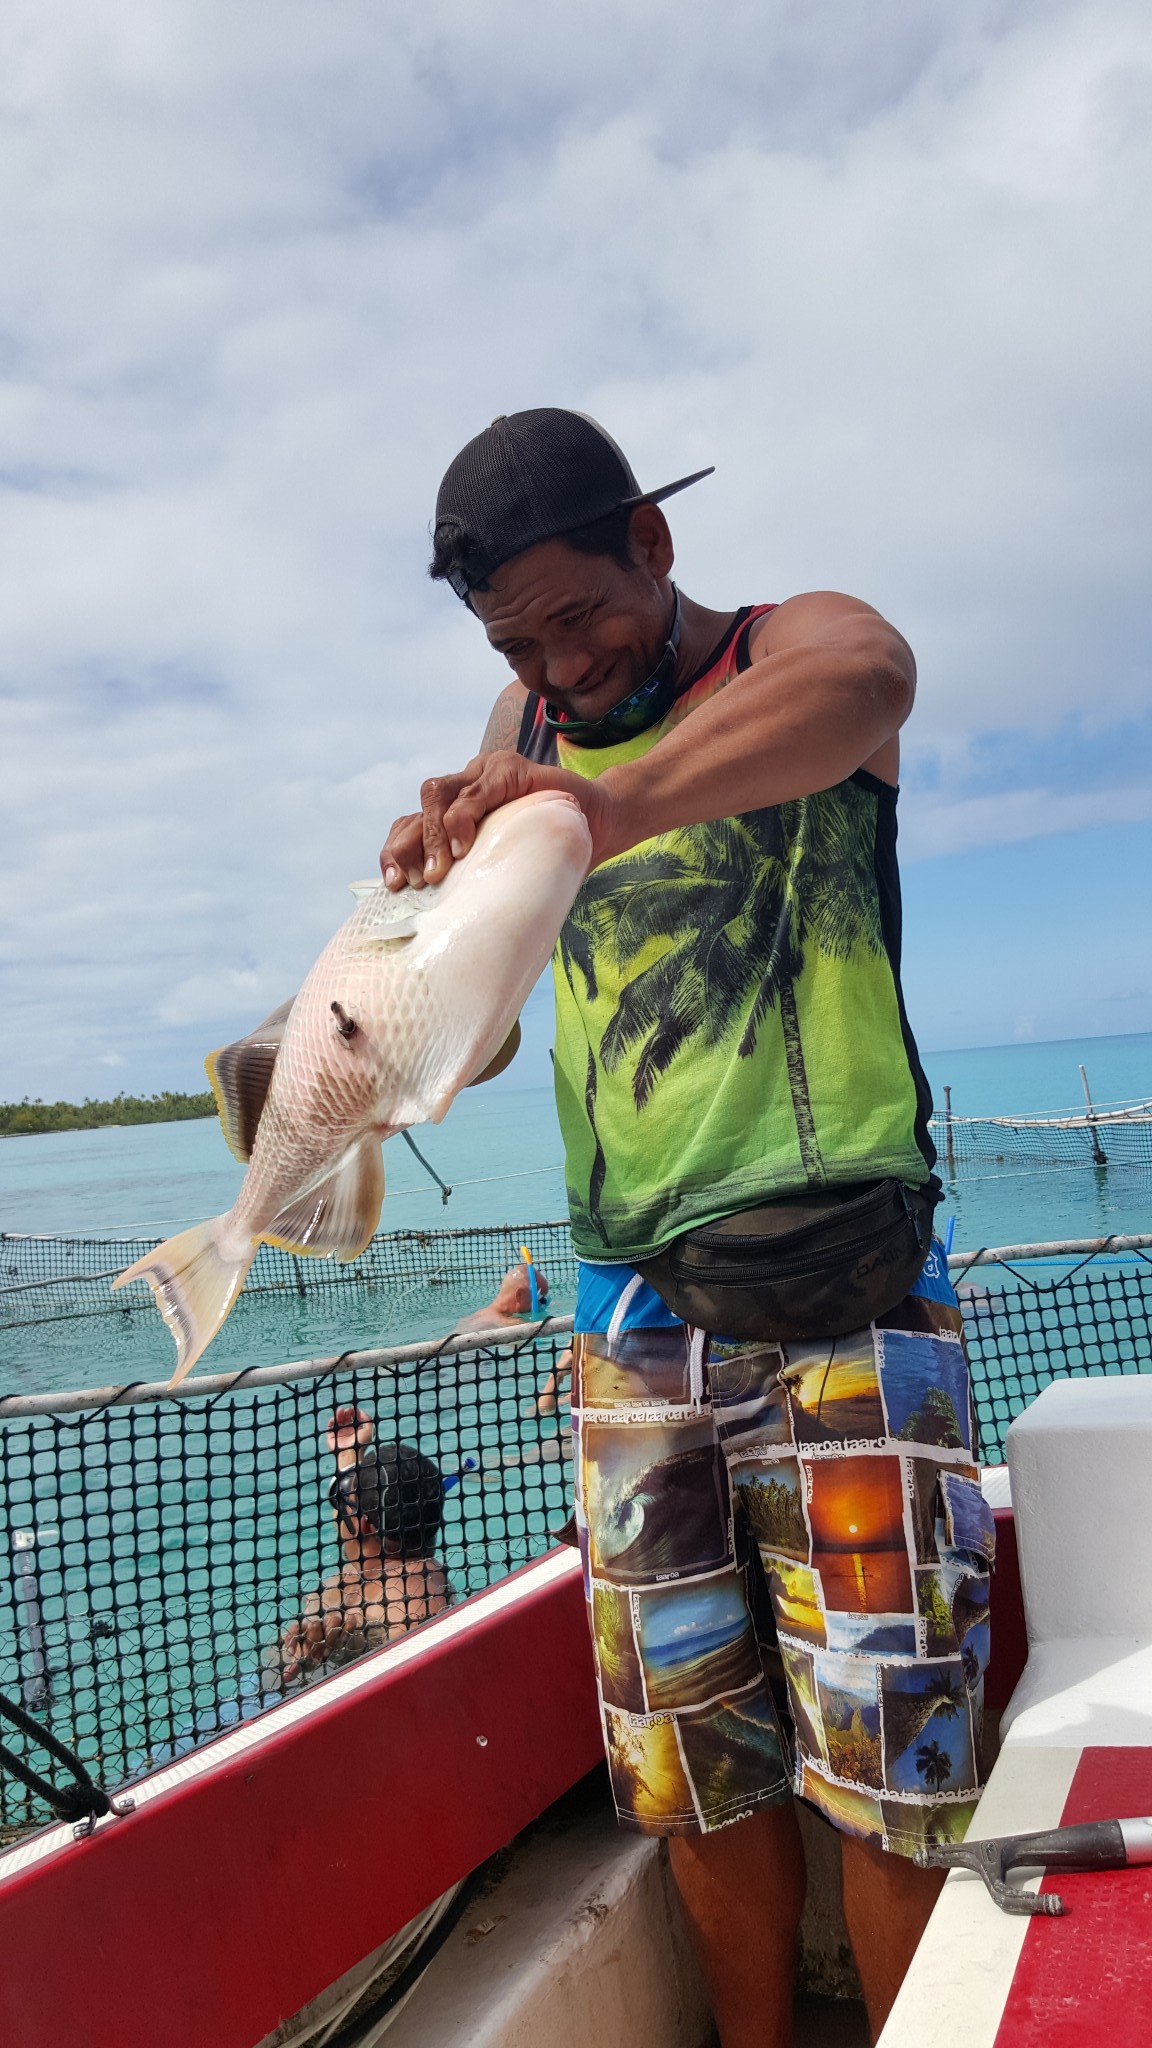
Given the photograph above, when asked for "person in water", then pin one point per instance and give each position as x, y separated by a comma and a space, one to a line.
786, 1544
513, 1298
387, 1501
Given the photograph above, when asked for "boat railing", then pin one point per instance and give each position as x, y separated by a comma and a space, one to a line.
155, 1546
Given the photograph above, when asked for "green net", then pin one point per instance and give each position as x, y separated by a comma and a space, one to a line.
153, 1556
1030, 1321
154, 1552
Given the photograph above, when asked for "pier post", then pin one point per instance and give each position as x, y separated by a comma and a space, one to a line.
949, 1152
1099, 1156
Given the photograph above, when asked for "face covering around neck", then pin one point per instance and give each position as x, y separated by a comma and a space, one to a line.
645, 707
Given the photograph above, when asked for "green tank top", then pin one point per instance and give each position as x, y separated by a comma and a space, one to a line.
730, 1026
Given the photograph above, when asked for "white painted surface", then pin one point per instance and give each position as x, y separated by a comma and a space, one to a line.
1079, 1460
996, 1486
955, 1992
1095, 1692
581, 1943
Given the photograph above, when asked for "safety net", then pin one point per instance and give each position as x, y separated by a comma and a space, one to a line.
169, 1567
46, 1279
1116, 1135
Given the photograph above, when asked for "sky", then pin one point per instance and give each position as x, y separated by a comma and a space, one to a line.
265, 269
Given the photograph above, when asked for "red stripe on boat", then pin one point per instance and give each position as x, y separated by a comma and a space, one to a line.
1009, 1632
1088, 1976
227, 1902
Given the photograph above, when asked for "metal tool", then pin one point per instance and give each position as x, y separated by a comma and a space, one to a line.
1094, 1845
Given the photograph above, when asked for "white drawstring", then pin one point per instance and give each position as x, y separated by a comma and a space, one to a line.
623, 1305
696, 1343
697, 1339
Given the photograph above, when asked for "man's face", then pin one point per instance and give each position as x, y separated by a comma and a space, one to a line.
579, 629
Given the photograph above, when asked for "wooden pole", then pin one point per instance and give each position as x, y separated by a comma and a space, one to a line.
949, 1151
1099, 1156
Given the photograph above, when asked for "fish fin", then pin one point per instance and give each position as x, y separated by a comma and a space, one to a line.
391, 935
393, 914
337, 1218
502, 1059
241, 1075
195, 1283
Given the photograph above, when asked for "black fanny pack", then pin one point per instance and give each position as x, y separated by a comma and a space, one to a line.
816, 1266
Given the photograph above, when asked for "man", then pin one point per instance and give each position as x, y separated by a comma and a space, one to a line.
512, 1298
765, 1524
388, 1500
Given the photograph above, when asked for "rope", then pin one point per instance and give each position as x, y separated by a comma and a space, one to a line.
82, 1800
429, 1169
360, 2031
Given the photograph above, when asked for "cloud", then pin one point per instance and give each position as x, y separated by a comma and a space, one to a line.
267, 269
934, 827
201, 998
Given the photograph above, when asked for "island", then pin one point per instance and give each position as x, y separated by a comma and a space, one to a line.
24, 1119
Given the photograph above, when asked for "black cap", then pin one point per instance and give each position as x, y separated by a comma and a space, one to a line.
531, 476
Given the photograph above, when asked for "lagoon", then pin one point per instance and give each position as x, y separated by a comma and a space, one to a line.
499, 1149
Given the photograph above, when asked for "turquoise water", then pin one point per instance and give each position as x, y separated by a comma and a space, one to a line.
499, 1148
1017, 1204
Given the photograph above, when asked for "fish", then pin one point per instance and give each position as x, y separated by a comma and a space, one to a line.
417, 996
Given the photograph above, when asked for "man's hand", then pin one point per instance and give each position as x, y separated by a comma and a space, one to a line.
302, 1647
348, 1433
422, 847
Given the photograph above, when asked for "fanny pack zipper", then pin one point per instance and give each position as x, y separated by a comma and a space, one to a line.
858, 1206
785, 1268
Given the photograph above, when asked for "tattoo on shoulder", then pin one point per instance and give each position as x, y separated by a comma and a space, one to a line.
503, 728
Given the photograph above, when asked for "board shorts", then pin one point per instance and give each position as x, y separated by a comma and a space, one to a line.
786, 1554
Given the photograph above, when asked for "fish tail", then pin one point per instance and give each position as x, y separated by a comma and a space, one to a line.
195, 1278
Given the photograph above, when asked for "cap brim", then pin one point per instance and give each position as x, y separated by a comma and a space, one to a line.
668, 490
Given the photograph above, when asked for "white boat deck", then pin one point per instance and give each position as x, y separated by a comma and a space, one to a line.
1078, 1459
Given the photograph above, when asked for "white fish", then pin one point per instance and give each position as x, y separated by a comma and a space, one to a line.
414, 999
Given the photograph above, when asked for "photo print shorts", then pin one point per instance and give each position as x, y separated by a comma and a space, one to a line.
786, 1555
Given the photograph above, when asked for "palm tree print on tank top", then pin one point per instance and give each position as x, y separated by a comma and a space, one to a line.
729, 1020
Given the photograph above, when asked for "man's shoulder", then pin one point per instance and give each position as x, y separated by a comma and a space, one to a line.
505, 719
805, 614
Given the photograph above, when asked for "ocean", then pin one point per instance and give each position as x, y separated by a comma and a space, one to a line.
499, 1149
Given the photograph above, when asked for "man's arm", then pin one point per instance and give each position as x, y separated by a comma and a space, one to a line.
307, 1642
829, 687
503, 728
